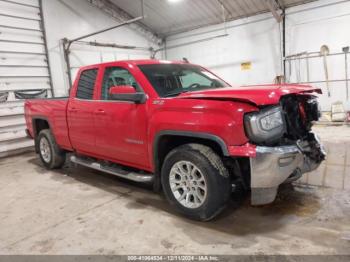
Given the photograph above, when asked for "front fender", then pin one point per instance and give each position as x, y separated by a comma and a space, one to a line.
221, 121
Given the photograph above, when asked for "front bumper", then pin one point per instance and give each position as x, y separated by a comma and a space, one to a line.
274, 165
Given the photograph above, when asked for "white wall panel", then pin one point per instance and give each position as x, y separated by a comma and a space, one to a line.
325, 22
11, 110
82, 55
254, 39
108, 57
10, 120
257, 39
15, 146
4, 137
72, 19
23, 84
22, 59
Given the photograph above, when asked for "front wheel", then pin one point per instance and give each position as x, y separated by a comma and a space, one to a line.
50, 154
196, 181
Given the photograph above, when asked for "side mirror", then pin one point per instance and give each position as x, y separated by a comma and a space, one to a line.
126, 93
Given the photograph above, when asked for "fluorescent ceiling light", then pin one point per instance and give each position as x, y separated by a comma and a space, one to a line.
174, 1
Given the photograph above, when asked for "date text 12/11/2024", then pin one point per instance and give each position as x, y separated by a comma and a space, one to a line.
173, 258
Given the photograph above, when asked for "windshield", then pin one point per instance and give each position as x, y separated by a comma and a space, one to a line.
174, 79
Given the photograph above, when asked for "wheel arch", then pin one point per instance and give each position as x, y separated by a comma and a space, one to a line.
167, 140
39, 123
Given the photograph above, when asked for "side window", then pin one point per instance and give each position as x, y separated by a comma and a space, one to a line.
86, 84
117, 76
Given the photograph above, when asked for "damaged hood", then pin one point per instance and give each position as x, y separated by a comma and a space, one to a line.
258, 95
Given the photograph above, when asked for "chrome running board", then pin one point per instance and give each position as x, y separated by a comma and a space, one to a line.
117, 171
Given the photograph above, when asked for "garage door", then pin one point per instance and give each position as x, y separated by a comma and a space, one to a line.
24, 69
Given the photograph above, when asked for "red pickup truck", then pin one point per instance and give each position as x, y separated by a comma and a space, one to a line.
182, 128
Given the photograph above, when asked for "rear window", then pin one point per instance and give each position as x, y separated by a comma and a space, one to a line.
86, 84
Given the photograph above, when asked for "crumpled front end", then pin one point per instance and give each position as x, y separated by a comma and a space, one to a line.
273, 166
285, 146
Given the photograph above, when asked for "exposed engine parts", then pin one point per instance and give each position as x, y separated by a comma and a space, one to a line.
300, 112
289, 123
283, 124
312, 149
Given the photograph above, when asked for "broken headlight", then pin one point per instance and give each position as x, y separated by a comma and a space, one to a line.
266, 126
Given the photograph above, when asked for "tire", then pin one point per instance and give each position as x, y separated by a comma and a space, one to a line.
50, 154
204, 165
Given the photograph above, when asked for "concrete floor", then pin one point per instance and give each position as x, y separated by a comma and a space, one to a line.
335, 171
79, 211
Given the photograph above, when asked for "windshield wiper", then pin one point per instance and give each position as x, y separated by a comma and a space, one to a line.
176, 93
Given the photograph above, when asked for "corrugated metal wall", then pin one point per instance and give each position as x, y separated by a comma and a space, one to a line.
24, 69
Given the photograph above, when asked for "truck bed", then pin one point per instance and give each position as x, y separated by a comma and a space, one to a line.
54, 111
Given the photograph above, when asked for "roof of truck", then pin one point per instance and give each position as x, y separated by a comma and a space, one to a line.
137, 62
152, 61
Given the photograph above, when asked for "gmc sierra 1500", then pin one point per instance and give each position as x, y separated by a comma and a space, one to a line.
182, 128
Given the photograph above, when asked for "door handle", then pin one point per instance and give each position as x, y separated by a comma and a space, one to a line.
100, 112
73, 110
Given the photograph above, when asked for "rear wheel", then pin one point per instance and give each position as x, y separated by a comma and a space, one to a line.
196, 181
50, 154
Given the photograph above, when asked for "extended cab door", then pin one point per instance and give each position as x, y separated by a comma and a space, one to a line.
121, 126
80, 112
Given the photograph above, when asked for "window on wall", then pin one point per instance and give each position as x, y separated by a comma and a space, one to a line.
117, 76
86, 84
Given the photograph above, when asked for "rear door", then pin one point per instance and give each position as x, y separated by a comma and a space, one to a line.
80, 112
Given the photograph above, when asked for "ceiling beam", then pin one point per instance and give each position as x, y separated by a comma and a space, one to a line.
280, 4
276, 9
119, 14
226, 9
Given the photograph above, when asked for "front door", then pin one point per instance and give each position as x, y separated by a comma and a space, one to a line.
121, 126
